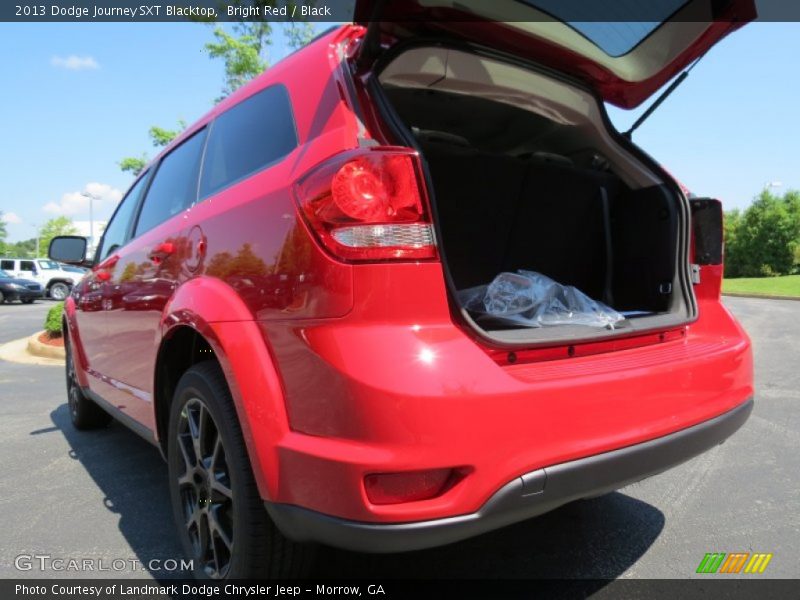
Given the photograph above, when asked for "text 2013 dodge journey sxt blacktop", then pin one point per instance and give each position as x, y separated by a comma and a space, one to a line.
409, 286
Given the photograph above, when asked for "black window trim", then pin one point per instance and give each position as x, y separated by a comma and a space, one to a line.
262, 167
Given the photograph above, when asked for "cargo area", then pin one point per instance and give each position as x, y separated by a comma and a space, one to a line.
526, 175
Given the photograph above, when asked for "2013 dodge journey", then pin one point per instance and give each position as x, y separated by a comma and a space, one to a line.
277, 302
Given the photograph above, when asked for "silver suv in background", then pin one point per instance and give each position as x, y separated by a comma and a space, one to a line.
56, 282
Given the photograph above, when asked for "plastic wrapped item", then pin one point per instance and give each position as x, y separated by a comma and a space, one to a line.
534, 300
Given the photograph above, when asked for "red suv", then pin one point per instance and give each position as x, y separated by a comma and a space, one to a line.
277, 302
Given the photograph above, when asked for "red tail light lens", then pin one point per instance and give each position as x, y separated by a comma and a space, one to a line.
369, 205
395, 488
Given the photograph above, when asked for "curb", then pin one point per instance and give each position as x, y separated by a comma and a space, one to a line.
41, 350
761, 296
16, 351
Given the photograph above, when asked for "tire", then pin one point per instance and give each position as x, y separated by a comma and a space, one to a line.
2, 297
84, 413
220, 516
59, 291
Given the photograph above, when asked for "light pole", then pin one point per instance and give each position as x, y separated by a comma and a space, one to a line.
36, 227
92, 198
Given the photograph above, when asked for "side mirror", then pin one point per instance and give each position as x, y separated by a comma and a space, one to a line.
70, 249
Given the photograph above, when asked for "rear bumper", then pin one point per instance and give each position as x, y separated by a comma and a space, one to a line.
532, 494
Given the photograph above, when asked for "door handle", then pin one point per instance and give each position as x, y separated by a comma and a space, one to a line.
103, 270
161, 251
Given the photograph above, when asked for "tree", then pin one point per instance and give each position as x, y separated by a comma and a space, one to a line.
24, 249
133, 164
159, 137
763, 240
298, 34
162, 137
243, 52
3, 233
56, 226
731, 223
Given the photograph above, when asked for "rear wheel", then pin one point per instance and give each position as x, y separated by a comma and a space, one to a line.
220, 516
84, 413
59, 291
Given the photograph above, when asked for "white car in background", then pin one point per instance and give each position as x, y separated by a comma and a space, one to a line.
56, 282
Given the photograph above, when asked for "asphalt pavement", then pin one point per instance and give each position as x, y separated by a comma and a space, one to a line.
103, 494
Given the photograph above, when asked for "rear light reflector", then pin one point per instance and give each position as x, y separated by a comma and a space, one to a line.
410, 486
411, 236
369, 204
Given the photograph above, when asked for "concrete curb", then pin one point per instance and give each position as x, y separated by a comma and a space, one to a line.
761, 296
41, 350
17, 352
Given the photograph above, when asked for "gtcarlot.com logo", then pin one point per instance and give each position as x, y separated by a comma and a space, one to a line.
734, 562
46, 562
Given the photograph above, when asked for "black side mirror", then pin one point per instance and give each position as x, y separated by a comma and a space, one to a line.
70, 249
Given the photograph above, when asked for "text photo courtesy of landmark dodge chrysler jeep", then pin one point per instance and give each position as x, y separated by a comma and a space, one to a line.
410, 285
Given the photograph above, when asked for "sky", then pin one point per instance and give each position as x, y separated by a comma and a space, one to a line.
78, 97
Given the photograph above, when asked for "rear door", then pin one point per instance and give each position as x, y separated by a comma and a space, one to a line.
625, 50
147, 271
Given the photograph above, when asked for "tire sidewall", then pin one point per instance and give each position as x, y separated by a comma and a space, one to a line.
194, 385
59, 285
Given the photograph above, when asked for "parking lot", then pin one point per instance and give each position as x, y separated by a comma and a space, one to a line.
104, 494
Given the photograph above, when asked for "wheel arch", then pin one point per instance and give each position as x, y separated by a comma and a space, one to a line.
206, 320
55, 280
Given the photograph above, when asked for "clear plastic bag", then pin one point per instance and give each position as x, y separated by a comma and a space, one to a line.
534, 300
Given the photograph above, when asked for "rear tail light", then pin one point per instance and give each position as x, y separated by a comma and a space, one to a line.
369, 204
409, 486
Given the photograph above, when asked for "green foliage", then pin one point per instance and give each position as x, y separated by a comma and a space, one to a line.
24, 249
159, 137
763, 240
133, 164
243, 52
52, 323
298, 34
3, 230
52, 228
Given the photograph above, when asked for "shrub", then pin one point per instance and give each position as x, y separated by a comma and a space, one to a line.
766, 271
762, 241
52, 323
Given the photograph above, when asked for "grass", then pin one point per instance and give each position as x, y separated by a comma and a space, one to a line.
788, 285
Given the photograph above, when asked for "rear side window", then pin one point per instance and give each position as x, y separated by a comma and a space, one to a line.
252, 135
7, 265
26, 265
116, 234
174, 186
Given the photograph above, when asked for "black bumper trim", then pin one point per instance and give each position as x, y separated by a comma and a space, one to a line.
524, 497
